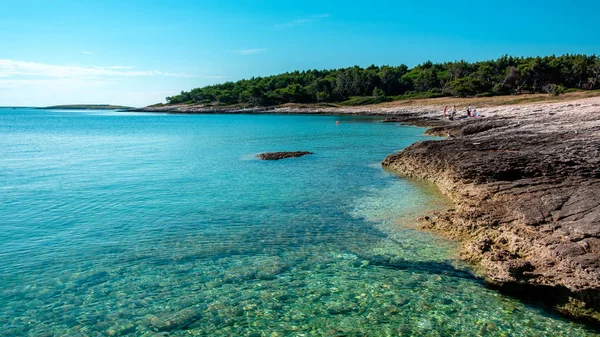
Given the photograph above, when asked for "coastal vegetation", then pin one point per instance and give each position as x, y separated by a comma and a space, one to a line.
507, 75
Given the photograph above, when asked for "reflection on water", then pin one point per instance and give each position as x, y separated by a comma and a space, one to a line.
137, 225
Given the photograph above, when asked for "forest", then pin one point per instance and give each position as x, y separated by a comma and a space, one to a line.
355, 85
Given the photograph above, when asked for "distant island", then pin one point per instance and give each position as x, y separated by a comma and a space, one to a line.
355, 86
87, 107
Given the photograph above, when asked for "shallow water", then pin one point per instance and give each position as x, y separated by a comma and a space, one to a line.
119, 224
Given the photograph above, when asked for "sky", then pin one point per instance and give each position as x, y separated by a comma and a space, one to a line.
135, 53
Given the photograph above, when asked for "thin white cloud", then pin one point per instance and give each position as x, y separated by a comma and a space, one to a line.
87, 53
212, 77
116, 67
39, 84
10, 68
250, 51
301, 21
50, 83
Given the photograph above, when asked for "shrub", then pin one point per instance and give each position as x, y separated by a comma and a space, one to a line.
555, 89
378, 92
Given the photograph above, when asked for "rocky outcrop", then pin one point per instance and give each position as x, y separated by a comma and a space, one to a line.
526, 184
282, 155
430, 120
394, 120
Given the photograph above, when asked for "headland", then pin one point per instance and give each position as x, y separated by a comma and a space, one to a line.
525, 180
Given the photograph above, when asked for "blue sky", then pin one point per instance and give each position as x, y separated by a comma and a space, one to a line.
138, 52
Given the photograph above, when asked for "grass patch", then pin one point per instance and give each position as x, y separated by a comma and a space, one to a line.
365, 100
419, 95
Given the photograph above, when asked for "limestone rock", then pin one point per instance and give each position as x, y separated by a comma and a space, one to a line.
527, 194
282, 155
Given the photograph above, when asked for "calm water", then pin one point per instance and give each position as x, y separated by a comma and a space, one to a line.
117, 224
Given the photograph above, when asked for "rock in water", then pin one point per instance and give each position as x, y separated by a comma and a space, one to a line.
177, 320
282, 155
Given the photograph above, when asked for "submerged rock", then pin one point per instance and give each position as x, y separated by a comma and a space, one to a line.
340, 308
282, 155
122, 329
177, 320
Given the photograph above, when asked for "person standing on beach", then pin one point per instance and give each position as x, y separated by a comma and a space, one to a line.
445, 109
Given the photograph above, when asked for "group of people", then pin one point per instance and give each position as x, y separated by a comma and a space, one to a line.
451, 114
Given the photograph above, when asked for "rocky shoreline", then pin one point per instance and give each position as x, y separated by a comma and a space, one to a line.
425, 112
526, 185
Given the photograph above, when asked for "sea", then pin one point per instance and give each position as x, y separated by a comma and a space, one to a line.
132, 224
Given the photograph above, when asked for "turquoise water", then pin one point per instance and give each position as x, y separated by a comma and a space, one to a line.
119, 224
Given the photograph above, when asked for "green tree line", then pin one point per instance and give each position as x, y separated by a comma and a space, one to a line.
504, 76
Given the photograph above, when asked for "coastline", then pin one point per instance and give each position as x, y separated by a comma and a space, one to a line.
427, 109
524, 181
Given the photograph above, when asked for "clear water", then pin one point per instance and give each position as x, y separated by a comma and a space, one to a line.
118, 224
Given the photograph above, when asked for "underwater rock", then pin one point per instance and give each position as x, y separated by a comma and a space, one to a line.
177, 320
339, 308
92, 280
268, 270
282, 155
123, 329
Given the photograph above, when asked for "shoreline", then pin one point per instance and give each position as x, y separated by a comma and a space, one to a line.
415, 107
524, 182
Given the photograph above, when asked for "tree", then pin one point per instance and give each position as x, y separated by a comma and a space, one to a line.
594, 75
505, 75
513, 82
466, 86
426, 80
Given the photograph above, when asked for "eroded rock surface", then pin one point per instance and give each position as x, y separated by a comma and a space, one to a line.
526, 183
282, 155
